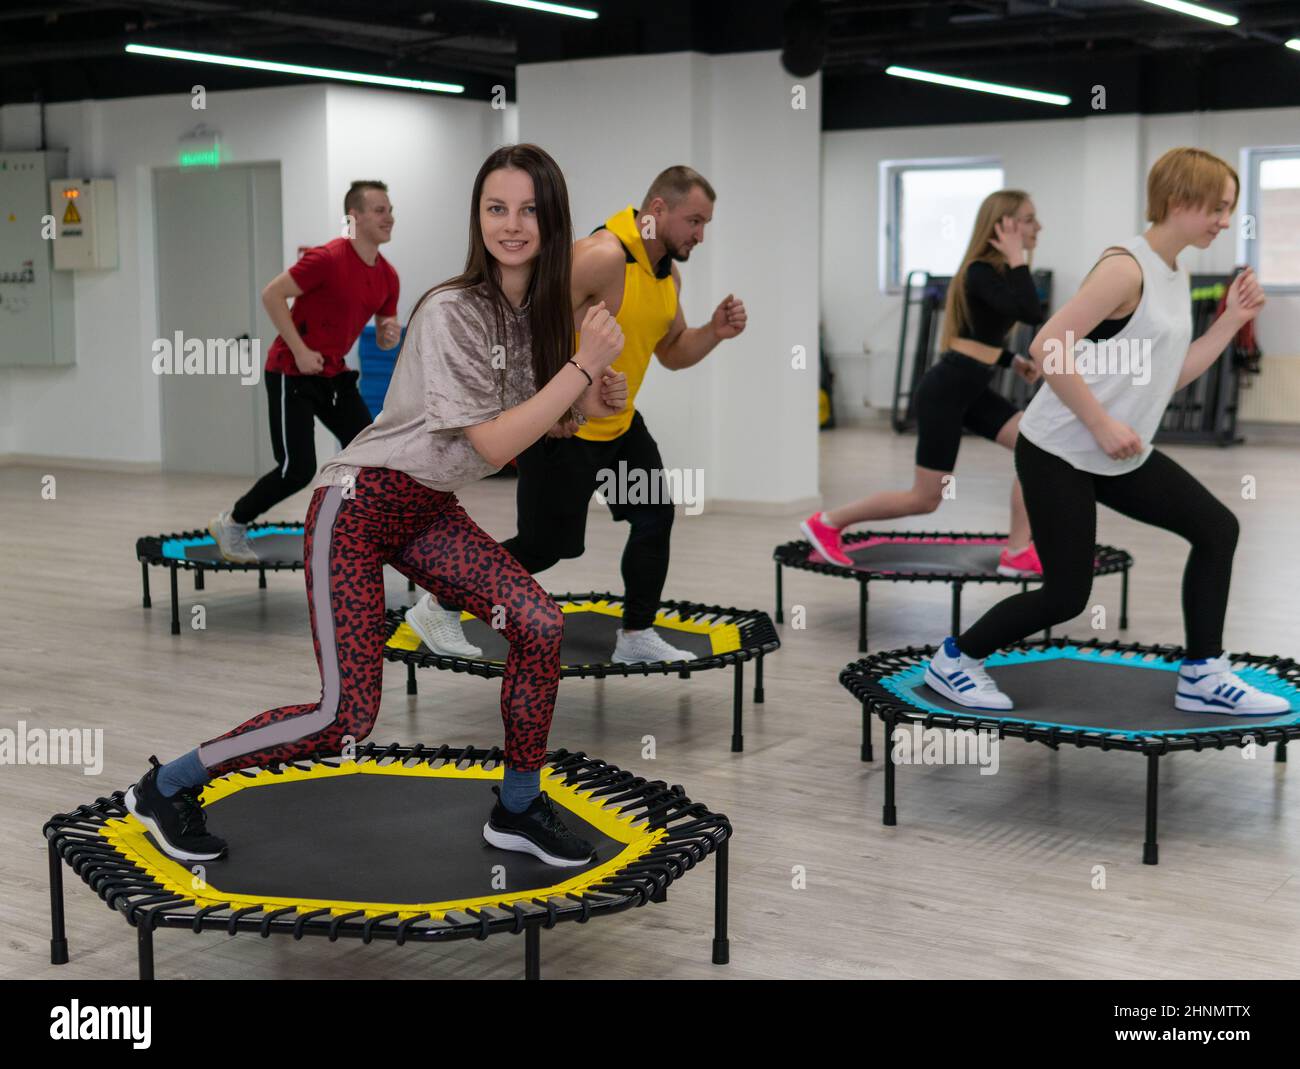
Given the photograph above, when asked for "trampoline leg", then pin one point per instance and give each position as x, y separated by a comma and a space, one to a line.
721, 944
58, 937
198, 578
890, 815
862, 617
144, 945
1150, 849
410, 679
738, 710
1123, 600
145, 600
1280, 756
261, 578
758, 680
780, 616
176, 612
956, 608
867, 754
532, 953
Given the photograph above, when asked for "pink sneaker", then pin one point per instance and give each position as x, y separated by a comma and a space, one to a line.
825, 540
1024, 565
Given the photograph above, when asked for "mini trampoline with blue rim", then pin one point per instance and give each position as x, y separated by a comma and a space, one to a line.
1111, 696
278, 547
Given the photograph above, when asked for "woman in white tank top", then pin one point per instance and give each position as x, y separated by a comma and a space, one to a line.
1112, 359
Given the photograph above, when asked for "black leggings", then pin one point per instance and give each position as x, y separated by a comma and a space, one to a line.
1062, 504
294, 403
556, 479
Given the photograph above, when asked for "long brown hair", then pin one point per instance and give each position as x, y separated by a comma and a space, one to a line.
549, 298
956, 312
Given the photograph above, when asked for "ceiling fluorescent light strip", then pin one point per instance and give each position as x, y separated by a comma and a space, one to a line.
295, 68
550, 9
1197, 11
978, 86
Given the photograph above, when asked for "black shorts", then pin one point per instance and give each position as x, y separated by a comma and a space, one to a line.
953, 394
557, 477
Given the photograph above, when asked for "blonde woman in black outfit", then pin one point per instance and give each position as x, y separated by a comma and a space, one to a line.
991, 292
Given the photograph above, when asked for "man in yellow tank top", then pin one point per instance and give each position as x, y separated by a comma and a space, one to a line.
628, 263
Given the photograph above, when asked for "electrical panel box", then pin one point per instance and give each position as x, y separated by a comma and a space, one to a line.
37, 328
85, 220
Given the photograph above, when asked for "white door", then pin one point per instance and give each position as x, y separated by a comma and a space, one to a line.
218, 237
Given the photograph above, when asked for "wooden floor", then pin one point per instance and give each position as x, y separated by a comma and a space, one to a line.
983, 877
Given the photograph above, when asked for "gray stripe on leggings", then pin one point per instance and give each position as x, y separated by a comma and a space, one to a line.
297, 727
284, 428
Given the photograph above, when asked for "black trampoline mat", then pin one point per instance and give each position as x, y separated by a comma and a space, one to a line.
270, 549
374, 838
588, 639
1078, 693
968, 558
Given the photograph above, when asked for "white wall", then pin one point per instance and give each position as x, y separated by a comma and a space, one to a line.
1088, 181
742, 415
729, 116
106, 406
428, 150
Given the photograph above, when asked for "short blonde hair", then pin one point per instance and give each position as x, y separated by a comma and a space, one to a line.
1187, 178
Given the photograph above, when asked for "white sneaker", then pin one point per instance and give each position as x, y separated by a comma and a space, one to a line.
232, 539
648, 645
440, 629
961, 679
1209, 686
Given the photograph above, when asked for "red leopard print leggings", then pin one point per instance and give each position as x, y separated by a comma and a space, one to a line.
427, 536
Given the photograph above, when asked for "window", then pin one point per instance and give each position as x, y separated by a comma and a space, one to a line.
1271, 197
927, 213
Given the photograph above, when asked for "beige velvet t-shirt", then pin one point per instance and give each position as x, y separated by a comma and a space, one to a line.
455, 370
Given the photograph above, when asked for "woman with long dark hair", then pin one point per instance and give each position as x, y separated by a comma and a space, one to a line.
991, 291
486, 369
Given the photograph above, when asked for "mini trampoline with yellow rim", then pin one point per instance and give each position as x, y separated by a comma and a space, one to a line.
719, 637
388, 845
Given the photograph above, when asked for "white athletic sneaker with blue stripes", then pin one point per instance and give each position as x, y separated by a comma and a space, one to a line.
1210, 686
961, 679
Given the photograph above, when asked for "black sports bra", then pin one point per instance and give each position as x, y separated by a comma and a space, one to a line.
1108, 328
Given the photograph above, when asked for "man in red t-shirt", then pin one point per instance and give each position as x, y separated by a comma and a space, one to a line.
336, 288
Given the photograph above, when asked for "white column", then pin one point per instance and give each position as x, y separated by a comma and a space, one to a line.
744, 416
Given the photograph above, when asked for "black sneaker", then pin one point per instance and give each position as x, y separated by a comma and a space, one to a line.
178, 824
539, 831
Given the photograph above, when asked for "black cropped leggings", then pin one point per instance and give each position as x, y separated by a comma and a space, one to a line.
1062, 504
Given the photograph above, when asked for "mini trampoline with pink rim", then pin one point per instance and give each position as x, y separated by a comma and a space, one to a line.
926, 557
